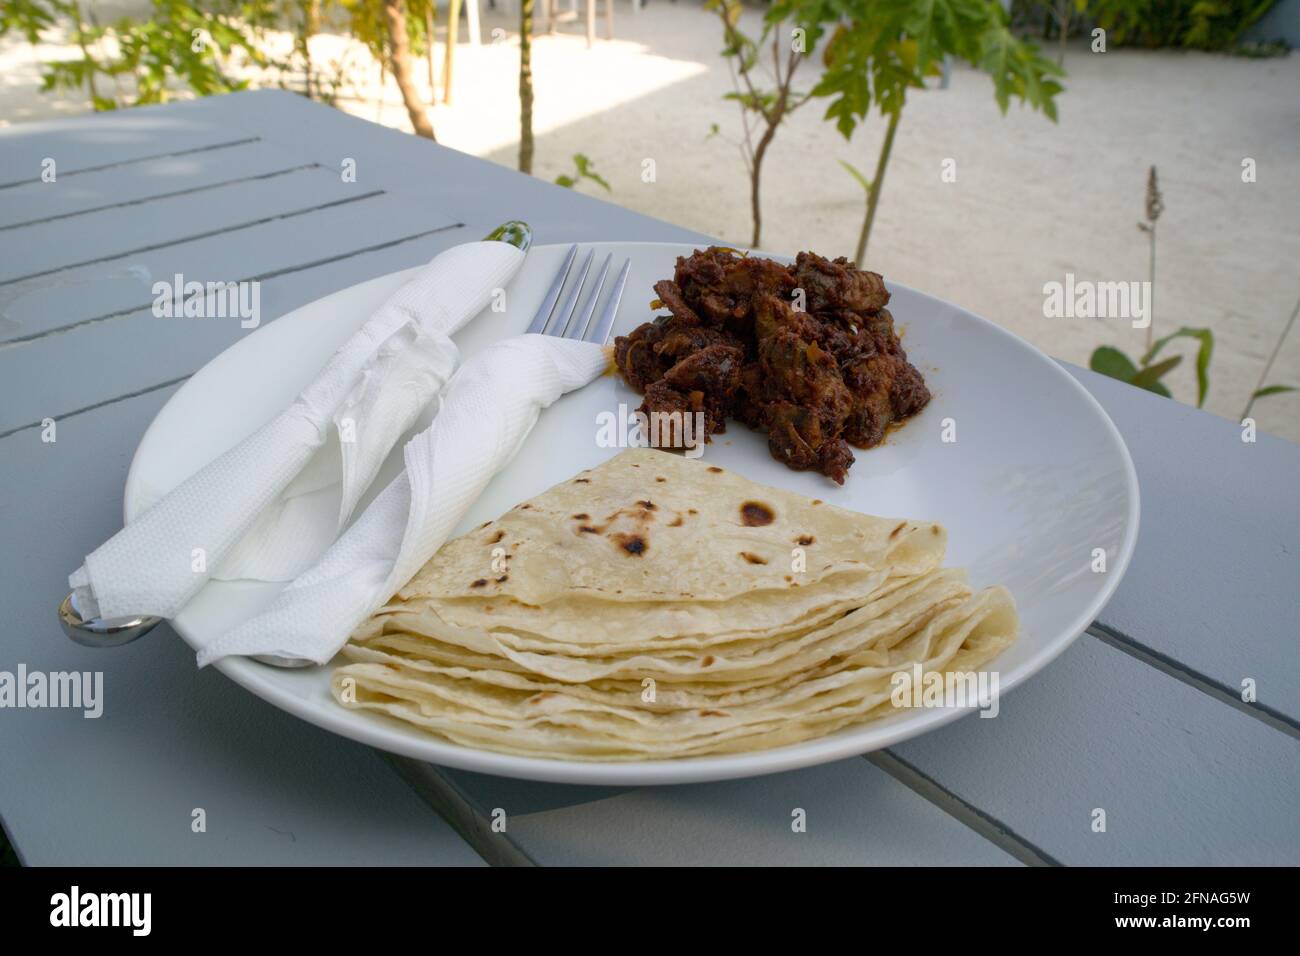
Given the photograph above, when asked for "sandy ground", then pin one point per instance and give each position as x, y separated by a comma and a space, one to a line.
1032, 200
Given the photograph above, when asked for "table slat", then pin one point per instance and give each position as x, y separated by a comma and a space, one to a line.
120, 789
1214, 585
124, 237
94, 142
1183, 778
47, 378
109, 289
464, 187
854, 815
137, 183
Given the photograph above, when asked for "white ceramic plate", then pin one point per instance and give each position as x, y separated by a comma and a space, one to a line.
1036, 480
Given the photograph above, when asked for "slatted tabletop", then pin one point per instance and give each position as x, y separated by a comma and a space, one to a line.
1143, 717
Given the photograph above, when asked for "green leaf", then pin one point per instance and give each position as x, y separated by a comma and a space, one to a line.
1273, 390
583, 169
857, 174
1111, 361
587, 170
881, 49
1151, 374
1203, 355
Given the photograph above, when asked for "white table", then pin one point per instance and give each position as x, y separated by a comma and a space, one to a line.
1142, 717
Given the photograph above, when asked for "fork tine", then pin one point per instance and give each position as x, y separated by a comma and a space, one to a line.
565, 314
579, 326
600, 333
548, 304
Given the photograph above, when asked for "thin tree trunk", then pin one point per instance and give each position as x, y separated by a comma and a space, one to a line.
400, 54
310, 26
431, 33
453, 27
760, 151
873, 197
526, 86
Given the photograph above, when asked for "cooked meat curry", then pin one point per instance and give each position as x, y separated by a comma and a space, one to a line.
807, 352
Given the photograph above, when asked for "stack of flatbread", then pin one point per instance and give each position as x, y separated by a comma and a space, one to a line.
657, 607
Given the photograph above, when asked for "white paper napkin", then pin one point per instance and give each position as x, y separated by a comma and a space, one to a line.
487, 412
269, 507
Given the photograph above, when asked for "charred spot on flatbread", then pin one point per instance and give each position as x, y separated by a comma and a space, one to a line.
755, 514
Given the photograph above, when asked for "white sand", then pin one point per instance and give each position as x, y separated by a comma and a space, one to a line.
1032, 200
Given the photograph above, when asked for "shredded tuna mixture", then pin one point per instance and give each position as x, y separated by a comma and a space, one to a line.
806, 352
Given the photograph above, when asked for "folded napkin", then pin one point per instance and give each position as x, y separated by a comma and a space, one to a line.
270, 506
486, 413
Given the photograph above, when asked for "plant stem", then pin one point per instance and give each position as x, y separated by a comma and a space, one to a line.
1151, 296
873, 196
772, 120
526, 86
310, 25
771, 116
755, 174
1268, 366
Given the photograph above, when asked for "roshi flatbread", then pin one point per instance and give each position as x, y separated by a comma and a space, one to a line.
653, 526
659, 606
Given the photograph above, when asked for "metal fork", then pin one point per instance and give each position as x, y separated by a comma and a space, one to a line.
568, 320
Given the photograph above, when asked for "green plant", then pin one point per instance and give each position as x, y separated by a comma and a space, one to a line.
1192, 24
1110, 361
583, 169
1147, 372
1155, 205
762, 110
1149, 23
1261, 49
133, 62
878, 50
1262, 390
129, 62
29, 17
